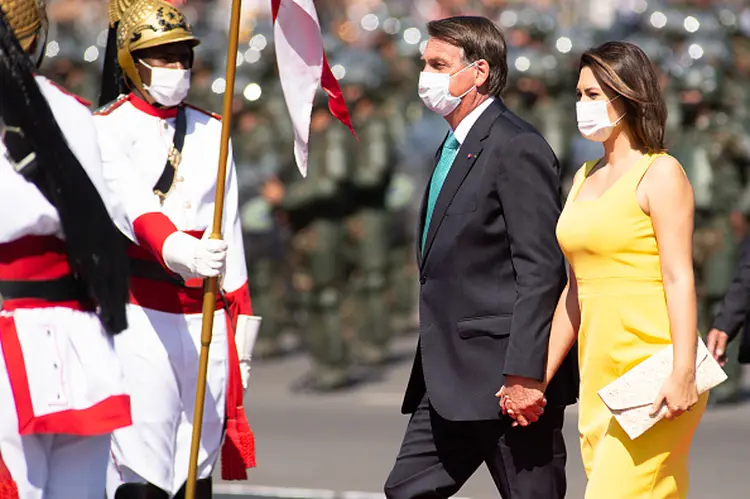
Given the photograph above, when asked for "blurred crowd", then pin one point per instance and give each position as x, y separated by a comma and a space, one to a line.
331, 258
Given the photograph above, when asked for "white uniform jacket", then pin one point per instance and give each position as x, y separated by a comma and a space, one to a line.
63, 375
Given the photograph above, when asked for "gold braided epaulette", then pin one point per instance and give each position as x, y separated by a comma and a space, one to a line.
111, 106
203, 111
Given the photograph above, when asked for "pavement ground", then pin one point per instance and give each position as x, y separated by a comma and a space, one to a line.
342, 445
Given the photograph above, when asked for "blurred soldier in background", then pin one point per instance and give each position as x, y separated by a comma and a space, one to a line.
703, 146
316, 207
371, 163
540, 97
200, 87
403, 276
257, 159
731, 138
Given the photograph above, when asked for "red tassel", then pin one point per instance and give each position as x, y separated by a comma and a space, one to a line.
8, 488
238, 451
8, 491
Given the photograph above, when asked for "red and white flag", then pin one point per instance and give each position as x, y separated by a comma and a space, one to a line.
303, 68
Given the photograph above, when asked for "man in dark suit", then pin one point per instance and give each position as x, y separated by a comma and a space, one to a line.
735, 313
491, 274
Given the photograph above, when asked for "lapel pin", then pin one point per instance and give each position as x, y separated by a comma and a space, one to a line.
470, 156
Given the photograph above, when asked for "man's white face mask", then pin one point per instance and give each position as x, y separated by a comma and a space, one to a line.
168, 87
434, 90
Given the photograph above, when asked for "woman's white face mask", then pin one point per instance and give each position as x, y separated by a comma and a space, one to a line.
169, 87
434, 90
593, 119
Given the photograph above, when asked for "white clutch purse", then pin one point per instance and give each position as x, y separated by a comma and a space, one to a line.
630, 396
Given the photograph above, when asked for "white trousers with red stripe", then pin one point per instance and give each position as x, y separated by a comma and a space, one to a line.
58, 376
159, 353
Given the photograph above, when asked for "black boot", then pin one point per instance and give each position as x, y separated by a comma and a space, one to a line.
140, 491
203, 489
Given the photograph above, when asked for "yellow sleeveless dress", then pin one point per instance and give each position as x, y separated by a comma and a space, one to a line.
611, 246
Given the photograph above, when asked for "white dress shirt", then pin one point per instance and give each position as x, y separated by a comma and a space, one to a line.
463, 128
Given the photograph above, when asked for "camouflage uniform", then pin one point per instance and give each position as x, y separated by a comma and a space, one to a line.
733, 142
316, 207
367, 229
703, 147
257, 159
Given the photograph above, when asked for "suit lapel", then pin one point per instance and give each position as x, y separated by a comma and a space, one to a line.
465, 159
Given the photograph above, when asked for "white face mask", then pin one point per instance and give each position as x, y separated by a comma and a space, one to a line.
593, 119
169, 87
434, 90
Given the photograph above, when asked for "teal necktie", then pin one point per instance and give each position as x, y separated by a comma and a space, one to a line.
447, 155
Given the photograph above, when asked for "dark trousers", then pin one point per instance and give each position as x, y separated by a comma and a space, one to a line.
438, 456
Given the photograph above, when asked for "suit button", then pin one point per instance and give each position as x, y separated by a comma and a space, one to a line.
423, 280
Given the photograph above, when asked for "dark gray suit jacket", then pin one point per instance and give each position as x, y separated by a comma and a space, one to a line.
491, 273
735, 311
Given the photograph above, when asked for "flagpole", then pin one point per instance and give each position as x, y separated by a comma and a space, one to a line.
210, 285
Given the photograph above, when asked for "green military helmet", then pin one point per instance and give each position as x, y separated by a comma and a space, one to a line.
74, 49
664, 20
258, 52
701, 77
412, 37
256, 215
731, 20
536, 63
358, 66
524, 23
573, 41
374, 23
654, 47
362, 74
213, 47
705, 38
401, 192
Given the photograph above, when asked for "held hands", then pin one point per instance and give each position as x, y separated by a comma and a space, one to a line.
522, 399
192, 257
678, 394
717, 345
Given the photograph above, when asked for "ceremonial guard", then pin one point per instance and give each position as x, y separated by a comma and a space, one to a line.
63, 280
160, 156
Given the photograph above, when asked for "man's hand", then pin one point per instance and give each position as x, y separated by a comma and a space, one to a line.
273, 191
522, 399
717, 345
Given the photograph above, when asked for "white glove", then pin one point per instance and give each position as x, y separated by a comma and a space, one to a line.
192, 257
247, 332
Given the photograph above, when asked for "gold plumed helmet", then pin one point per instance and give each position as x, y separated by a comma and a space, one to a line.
146, 24
117, 8
27, 18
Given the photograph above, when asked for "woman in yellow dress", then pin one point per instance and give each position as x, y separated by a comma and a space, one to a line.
626, 231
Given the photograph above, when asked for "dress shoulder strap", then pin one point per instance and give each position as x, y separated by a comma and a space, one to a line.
641, 168
580, 177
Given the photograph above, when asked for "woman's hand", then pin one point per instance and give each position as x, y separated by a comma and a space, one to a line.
679, 393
